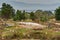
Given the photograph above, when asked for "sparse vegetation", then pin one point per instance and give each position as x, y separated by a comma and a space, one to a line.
19, 32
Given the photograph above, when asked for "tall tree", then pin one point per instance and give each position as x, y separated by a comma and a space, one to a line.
23, 15
6, 11
57, 13
32, 16
18, 15
12, 13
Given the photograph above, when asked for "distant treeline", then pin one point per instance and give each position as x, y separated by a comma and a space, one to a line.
8, 12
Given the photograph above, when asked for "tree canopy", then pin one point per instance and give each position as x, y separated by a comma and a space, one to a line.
57, 13
7, 11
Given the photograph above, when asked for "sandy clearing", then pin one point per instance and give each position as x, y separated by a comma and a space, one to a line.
31, 25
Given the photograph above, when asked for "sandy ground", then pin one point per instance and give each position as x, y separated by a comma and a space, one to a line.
25, 24
31, 25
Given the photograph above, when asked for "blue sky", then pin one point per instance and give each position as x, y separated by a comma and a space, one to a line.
33, 4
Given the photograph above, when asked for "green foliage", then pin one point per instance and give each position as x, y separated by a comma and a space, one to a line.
6, 11
43, 19
18, 15
32, 16
38, 14
27, 15
43, 15
21, 15
57, 13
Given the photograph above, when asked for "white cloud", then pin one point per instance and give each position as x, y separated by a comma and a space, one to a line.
39, 1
